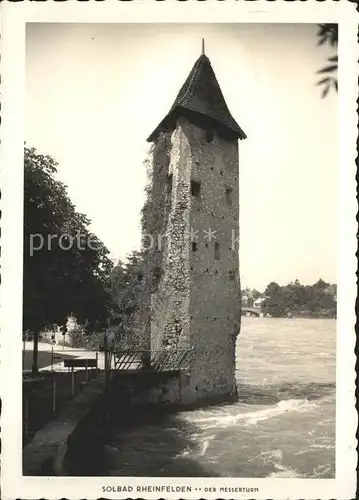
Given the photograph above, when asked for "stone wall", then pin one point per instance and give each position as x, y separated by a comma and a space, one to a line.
129, 398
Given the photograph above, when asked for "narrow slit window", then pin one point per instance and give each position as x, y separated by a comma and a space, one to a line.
217, 251
169, 186
194, 246
195, 189
229, 196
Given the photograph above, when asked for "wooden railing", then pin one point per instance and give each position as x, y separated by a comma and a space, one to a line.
160, 360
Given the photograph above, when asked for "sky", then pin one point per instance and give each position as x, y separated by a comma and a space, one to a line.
94, 92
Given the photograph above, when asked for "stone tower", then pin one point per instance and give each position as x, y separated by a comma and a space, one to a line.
195, 207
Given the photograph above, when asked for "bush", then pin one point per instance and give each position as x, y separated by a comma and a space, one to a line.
94, 340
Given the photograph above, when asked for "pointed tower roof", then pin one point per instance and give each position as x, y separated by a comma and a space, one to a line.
201, 101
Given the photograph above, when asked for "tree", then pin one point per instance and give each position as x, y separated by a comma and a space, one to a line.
328, 33
66, 268
321, 285
250, 301
273, 300
272, 289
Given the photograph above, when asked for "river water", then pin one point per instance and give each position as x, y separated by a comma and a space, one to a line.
282, 426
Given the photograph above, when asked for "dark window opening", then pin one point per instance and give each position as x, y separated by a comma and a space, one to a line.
195, 188
229, 196
206, 245
209, 135
232, 275
194, 246
139, 277
221, 172
217, 251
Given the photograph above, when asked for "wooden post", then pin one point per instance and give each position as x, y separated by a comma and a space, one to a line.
52, 357
87, 373
96, 362
53, 394
72, 382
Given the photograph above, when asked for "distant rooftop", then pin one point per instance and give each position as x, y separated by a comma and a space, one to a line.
201, 101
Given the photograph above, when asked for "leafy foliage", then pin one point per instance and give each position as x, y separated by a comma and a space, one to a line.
60, 278
328, 34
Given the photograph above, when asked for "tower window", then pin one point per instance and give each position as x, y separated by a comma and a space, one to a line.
195, 188
194, 246
229, 196
217, 251
209, 135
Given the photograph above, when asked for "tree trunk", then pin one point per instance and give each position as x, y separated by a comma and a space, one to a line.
34, 368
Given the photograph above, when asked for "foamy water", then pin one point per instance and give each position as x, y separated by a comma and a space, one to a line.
282, 426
